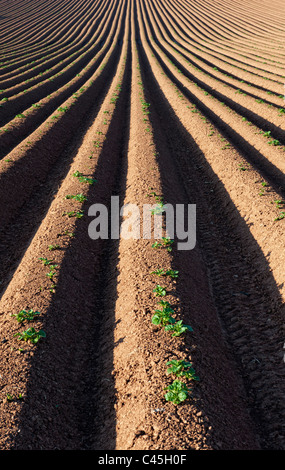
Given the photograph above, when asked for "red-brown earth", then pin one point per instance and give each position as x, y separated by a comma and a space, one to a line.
183, 100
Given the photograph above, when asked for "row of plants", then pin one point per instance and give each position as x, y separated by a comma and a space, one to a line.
77, 72
39, 46
56, 66
230, 102
165, 316
27, 316
71, 92
227, 145
226, 57
273, 141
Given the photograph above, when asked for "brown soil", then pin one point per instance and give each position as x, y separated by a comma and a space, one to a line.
97, 380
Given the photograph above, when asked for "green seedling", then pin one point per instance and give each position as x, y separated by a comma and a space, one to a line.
77, 174
181, 369
280, 216
76, 197
10, 397
159, 272
163, 317
53, 247
51, 274
279, 203
24, 315
53, 266
178, 328
167, 242
52, 288
145, 106
159, 291
46, 261
114, 99
62, 109
227, 146
84, 179
169, 272
69, 234
267, 134
78, 214
274, 142
31, 335
164, 303
242, 167
153, 193
177, 392
172, 273
159, 209
156, 245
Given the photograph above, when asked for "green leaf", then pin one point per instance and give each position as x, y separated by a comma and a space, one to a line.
26, 315
177, 392
178, 328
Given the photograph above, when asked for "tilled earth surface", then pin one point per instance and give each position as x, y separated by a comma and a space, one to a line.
134, 102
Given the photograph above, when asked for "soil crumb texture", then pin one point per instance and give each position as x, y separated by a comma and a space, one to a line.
142, 212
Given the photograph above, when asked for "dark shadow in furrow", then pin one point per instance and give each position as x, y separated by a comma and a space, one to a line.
268, 170
244, 22
36, 51
234, 36
16, 14
207, 62
28, 211
20, 24
52, 58
244, 112
223, 24
11, 139
212, 52
229, 250
41, 21
70, 51
38, 163
71, 386
12, 108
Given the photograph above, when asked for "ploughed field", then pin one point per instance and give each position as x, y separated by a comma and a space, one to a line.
151, 101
